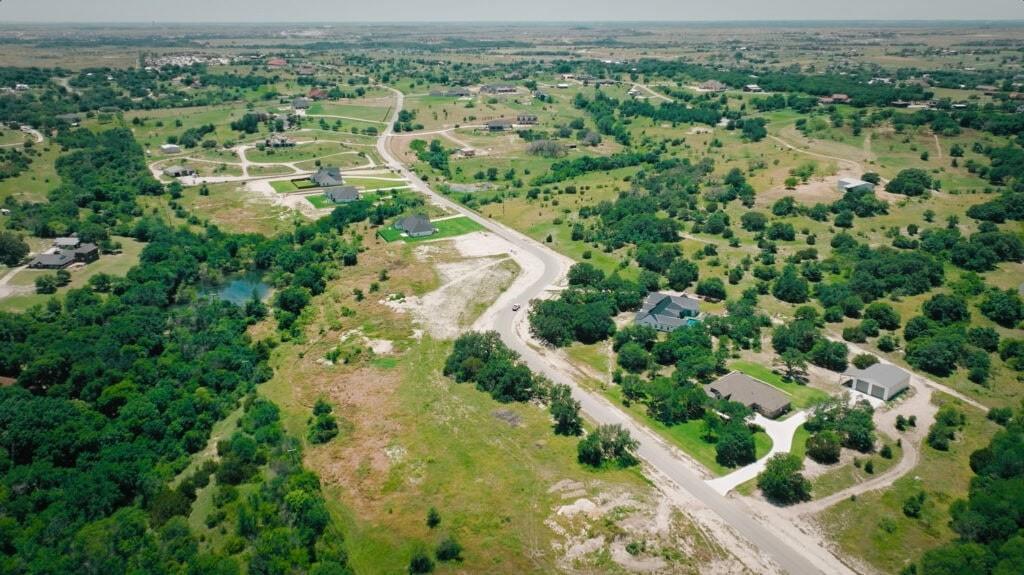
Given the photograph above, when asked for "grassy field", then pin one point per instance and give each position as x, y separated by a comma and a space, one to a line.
298, 153
412, 439
445, 229
112, 264
800, 395
33, 184
874, 528
370, 114
234, 209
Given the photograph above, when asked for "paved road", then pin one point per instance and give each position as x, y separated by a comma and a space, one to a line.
796, 557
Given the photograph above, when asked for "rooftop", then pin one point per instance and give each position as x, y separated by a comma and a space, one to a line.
882, 374
742, 388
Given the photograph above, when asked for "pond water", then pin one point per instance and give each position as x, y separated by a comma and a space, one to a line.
239, 289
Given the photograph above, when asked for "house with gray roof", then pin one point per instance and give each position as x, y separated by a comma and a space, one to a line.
882, 380
665, 312
753, 393
327, 177
342, 194
86, 253
301, 103
415, 226
54, 260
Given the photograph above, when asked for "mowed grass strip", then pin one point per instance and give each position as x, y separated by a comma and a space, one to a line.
288, 186
445, 229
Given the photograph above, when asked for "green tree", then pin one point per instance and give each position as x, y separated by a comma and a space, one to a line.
13, 248
781, 481
566, 411
789, 286
681, 274
735, 446
448, 550
824, 447
1003, 307
608, 444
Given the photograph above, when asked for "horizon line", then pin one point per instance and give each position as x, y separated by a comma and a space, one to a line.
499, 21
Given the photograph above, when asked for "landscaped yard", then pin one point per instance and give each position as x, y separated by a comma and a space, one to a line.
288, 186
687, 436
800, 395
112, 264
445, 229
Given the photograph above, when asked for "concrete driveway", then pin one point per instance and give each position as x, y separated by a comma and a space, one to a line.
781, 433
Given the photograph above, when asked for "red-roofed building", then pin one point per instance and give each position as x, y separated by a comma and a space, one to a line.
277, 62
317, 94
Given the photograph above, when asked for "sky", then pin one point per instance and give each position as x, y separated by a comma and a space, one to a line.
500, 10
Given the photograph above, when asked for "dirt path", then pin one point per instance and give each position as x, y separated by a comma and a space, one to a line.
7, 290
857, 167
938, 146
352, 118
653, 93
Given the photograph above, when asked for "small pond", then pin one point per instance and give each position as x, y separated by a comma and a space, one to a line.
239, 289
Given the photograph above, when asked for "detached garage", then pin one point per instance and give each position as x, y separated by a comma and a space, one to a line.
884, 381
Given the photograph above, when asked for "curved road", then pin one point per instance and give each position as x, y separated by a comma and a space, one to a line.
793, 555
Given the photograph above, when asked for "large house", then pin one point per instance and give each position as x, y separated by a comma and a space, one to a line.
666, 312
526, 119
415, 226
500, 125
851, 184
498, 89
301, 103
65, 251
342, 194
753, 393
881, 380
327, 177
451, 93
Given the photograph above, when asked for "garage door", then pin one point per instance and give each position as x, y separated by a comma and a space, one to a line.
862, 386
877, 391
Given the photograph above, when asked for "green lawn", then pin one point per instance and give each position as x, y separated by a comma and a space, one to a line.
801, 395
320, 201
687, 436
288, 186
375, 184
445, 229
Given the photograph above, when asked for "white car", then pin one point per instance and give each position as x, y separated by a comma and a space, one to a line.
516, 307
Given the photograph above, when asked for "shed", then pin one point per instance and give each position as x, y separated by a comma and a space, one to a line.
753, 393
850, 184
881, 380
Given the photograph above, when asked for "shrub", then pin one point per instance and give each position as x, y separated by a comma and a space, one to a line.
608, 444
